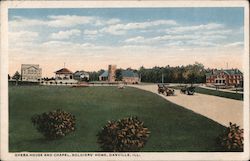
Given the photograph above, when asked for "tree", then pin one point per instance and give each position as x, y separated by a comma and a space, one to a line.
16, 76
94, 76
118, 75
194, 73
8, 77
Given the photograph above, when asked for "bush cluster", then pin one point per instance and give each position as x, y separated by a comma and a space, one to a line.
54, 124
232, 138
128, 134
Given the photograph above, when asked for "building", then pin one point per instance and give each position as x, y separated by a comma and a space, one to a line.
227, 77
104, 76
129, 76
64, 74
31, 72
81, 76
111, 73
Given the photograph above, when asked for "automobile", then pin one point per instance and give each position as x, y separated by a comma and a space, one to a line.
189, 90
162, 89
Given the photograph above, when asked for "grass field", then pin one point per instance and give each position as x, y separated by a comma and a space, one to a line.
173, 128
236, 96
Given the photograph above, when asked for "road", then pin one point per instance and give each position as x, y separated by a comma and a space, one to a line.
221, 110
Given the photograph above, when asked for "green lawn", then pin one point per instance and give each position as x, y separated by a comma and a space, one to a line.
173, 128
236, 96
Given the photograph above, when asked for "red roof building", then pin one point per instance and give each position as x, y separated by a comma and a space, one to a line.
64, 74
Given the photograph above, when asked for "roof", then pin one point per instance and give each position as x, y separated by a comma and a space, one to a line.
81, 73
104, 74
27, 66
31, 67
227, 71
63, 71
129, 73
233, 71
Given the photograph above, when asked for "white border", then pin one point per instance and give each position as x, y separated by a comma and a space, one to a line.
120, 4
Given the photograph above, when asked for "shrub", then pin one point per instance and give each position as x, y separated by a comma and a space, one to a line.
232, 138
54, 124
128, 134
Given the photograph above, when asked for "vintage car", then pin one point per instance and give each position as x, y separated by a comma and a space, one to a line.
189, 90
162, 89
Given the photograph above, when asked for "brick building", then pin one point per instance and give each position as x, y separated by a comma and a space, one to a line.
227, 77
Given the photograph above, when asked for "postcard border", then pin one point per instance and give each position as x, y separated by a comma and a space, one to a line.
5, 5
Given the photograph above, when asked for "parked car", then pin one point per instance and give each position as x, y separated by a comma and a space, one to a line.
163, 89
188, 90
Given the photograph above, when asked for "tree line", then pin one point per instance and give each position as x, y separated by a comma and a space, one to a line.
193, 73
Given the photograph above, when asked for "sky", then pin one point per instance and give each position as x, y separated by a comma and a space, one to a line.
92, 38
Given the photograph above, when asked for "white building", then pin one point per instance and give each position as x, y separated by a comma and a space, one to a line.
31, 72
64, 75
81, 76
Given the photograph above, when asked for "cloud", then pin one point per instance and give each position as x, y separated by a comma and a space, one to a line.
23, 36
52, 21
87, 45
70, 47
204, 35
65, 34
69, 20
20, 22
22, 39
137, 39
120, 29
202, 27
90, 32
61, 21
113, 21
235, 44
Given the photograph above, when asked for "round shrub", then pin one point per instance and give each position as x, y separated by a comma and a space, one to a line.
54, 124
128, 134
232, 138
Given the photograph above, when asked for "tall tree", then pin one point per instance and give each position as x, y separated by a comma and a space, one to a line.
16, 76
118, 75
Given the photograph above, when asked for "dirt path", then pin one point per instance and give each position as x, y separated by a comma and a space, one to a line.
221, 110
